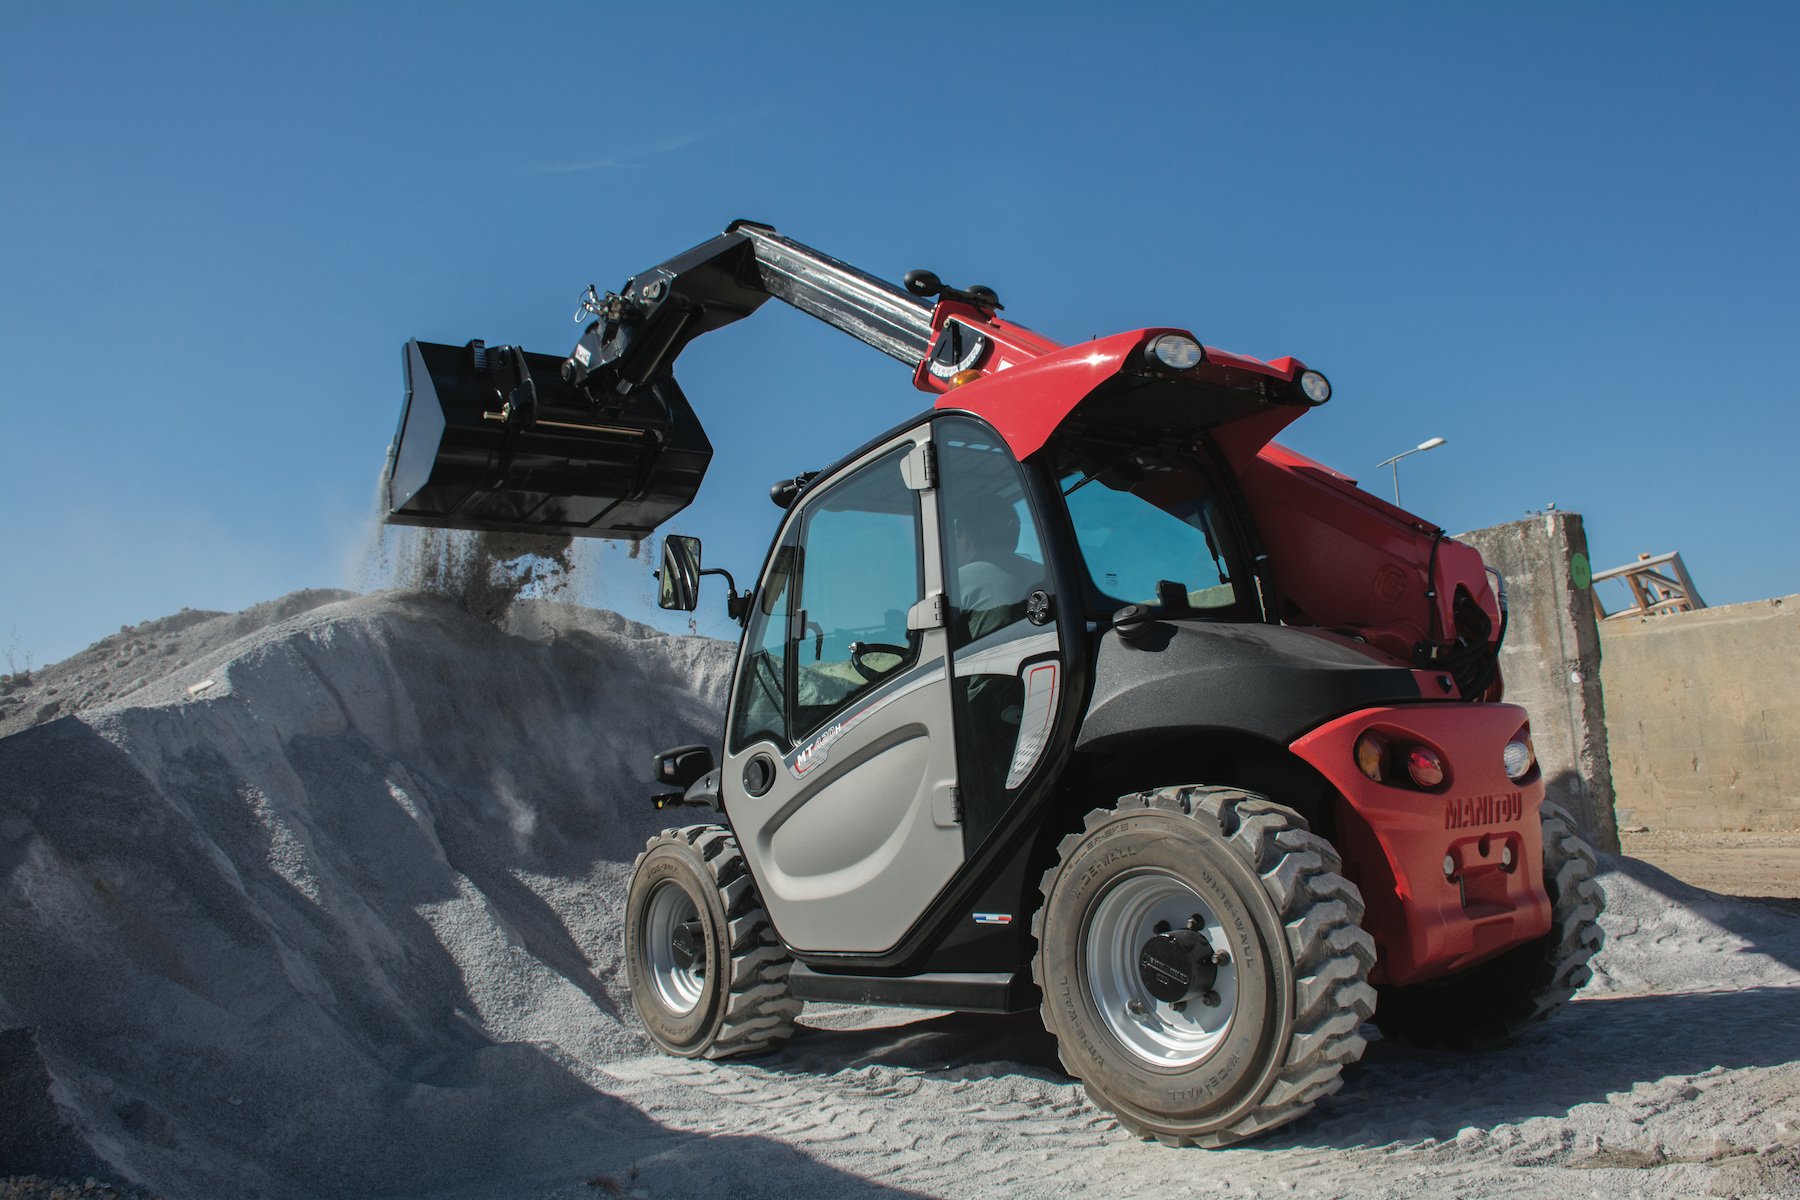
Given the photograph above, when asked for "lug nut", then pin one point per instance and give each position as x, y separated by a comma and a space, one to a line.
1221, 957
1160, 927
1196, 923
1179, 1006
1135, 1007
1210, 999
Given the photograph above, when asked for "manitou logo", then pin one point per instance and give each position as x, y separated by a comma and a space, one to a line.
1484, 810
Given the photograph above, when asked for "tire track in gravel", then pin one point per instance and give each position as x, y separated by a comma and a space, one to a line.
961, 1106
889, 1104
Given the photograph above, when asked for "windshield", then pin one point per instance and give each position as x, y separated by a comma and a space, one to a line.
1149, 527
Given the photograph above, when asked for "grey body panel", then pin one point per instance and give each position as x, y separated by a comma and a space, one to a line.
859, 830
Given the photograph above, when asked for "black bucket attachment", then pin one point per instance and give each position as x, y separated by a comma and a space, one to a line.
492, 438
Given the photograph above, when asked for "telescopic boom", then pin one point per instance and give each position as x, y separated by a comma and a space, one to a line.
603, 443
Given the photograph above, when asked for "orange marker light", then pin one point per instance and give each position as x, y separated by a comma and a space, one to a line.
1370, 750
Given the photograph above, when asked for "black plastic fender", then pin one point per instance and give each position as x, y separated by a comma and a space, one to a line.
1270, 680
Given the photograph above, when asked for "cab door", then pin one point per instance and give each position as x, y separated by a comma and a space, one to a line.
840, 766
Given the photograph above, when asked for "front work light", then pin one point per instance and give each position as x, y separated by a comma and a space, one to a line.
1316, 386
1176, 351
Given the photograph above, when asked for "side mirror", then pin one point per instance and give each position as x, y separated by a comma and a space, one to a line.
678, 583
683, 766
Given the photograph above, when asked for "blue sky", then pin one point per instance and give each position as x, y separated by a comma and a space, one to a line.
1561, 236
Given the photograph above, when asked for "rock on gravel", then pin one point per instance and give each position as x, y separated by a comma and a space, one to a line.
33, 1187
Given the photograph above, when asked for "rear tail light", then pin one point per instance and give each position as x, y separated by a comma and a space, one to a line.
1425, 767
1400, 763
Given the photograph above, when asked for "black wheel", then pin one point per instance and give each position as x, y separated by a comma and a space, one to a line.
708, 976
1203, 965
1494, 1001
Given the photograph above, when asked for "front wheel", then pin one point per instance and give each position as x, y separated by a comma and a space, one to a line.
708, 976
1202, 963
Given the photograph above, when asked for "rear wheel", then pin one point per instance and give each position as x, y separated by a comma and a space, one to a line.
1202, 964
708, 976
1496, 1000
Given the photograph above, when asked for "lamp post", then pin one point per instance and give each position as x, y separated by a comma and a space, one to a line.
1430, 444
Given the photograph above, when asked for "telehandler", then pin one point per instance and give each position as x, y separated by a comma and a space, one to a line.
1074, 692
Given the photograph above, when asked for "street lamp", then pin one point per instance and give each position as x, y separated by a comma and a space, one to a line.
1431, 444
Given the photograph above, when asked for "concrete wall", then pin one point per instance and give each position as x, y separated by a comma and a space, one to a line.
1703, 715
1551, 660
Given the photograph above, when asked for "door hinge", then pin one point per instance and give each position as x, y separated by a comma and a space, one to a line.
919, 469
946, 805
927, 613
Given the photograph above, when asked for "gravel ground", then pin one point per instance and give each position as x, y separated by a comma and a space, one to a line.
345, 922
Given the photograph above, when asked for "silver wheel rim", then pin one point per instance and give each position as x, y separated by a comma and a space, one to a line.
669, 908
1123, 919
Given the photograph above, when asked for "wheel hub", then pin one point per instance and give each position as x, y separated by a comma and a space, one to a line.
1177, 965
675, 947
689, 944
1156, 967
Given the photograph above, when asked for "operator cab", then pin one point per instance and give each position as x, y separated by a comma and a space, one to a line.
896, 684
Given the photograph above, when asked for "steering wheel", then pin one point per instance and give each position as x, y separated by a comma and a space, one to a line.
873, 671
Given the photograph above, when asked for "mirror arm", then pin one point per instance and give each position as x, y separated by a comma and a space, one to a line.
737, 605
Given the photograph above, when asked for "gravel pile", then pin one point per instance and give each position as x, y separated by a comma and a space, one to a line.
345, 919
114, 667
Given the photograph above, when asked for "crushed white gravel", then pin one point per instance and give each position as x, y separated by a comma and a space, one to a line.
345, 923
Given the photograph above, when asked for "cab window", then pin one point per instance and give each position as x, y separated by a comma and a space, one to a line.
759, 707
1150, 528
830, 622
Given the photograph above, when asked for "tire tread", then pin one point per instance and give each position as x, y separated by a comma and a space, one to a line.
1321, 914
759, 1013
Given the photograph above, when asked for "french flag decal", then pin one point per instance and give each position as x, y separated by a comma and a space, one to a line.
993, 918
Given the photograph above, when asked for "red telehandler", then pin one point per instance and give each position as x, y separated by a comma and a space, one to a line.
1074, 692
